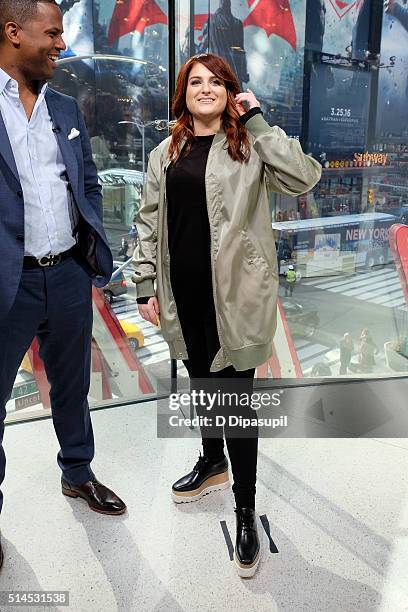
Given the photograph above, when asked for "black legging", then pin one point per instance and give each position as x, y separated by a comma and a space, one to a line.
201, 337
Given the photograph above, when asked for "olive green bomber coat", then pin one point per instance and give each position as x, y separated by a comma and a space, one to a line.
243, 258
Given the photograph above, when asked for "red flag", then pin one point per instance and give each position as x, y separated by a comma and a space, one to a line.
275, 17
200, 20
131, 15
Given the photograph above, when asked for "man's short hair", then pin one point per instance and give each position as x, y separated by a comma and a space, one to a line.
19, 11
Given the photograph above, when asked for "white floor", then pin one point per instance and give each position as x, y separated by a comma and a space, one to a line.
337, 509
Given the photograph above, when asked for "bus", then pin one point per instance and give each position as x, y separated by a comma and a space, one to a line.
334, 245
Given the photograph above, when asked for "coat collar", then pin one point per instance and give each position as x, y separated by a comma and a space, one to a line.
58, 117
219, 137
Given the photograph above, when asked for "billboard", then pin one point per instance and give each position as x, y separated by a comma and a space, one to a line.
339, 27
263, 41
339, 108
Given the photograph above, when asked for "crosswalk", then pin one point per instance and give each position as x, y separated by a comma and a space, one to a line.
312, 353
377, 287
155, 349
380, 287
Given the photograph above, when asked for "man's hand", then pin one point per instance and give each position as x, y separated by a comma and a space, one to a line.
389, 6
150, 311
249, 98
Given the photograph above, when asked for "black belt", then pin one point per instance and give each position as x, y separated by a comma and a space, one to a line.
48, 261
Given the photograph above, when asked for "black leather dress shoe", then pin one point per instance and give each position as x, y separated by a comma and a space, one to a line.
99, 498
205, 477
247, 548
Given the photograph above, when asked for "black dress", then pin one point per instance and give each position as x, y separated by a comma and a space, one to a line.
189, 231
191, 282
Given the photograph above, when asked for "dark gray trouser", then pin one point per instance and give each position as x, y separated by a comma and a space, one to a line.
55, 305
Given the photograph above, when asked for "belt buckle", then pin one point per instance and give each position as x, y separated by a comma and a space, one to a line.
49, 261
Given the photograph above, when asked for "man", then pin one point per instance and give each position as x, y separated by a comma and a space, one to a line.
223, 34
133, 235
346, 352
290, 278
49, 201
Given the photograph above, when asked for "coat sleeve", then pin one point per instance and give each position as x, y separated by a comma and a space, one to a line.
288, 169
144, 257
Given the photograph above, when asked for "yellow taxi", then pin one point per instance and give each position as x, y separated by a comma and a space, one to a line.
133, 333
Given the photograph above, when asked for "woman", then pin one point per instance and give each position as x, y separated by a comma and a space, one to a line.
205, 237
368, 349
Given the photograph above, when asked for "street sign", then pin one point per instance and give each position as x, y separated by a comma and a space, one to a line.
21, 389
28, 400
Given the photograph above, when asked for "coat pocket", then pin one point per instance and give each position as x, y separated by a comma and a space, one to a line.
252, 254
246, 290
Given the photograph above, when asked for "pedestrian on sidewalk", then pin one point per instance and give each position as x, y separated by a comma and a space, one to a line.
133, 236
123, 251
367, 350
290, 280
346, 351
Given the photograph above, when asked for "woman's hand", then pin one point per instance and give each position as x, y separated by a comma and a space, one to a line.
248, 97
150, 311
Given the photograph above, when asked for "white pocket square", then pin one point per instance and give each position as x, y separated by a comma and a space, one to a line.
73, 134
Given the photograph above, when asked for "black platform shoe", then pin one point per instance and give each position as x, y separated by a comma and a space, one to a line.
247, 552
205, 477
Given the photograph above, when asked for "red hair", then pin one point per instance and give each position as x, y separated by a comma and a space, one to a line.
235, 131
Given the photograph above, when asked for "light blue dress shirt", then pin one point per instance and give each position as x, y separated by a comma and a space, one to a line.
42, 172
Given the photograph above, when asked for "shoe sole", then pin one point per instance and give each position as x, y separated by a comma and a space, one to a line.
248, 570
218, 482
110, 513
244, 570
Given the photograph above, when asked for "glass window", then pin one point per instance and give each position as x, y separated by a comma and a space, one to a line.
117, 70
333, 75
